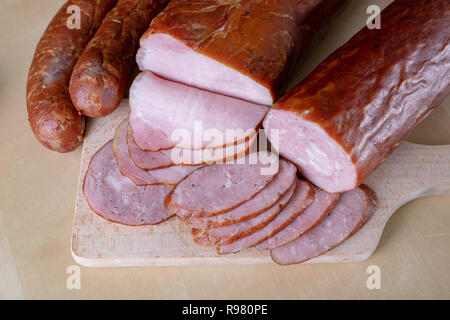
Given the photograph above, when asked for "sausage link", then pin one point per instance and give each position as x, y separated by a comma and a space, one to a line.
100, 76
53, 119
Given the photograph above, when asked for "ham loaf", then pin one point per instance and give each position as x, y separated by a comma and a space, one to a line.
341, 122
245, 48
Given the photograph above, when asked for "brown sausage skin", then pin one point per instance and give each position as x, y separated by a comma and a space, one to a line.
53, 119
100, 76
263, 40
369, 95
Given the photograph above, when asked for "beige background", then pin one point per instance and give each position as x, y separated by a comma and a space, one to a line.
38, 188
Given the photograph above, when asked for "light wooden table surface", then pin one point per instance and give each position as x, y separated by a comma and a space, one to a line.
38, 188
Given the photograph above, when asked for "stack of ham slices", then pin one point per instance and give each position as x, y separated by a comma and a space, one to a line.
189, 145
251, 201
211, 71
238, 208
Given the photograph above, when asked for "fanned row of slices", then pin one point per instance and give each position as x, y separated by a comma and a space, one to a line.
232, 205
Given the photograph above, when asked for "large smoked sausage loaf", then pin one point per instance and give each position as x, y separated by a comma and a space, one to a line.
53, 118
100, 76
347, 116
244, 48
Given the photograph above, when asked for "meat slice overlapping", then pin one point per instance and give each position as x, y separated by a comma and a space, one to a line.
116, 198
352, 211
149, 160
323, 203
219, 188
166, 114
301, 199
228, 234
170, 175
265, 199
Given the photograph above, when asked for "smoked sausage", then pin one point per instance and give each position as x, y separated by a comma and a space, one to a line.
100, 76
341, 122
53, 119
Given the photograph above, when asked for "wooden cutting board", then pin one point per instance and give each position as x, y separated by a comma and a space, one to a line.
413, 171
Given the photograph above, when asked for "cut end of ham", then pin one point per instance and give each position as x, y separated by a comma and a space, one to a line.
116, 198
172, 59
319, 157
166, 114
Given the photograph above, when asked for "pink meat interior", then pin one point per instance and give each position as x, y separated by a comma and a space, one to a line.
170, 58
319, 157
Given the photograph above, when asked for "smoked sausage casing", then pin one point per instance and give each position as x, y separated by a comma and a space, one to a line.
245, 49
341, 122
53, 119
100, 76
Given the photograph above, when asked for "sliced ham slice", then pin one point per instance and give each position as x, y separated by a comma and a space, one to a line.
176, 156
256, 205
302, 199
353, 210
228, 234
171, 175
165, 114
323, 203
147, 159
246, 49
219, 188
217, 155
116, 198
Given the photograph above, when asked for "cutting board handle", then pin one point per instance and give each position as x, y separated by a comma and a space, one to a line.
412, 171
